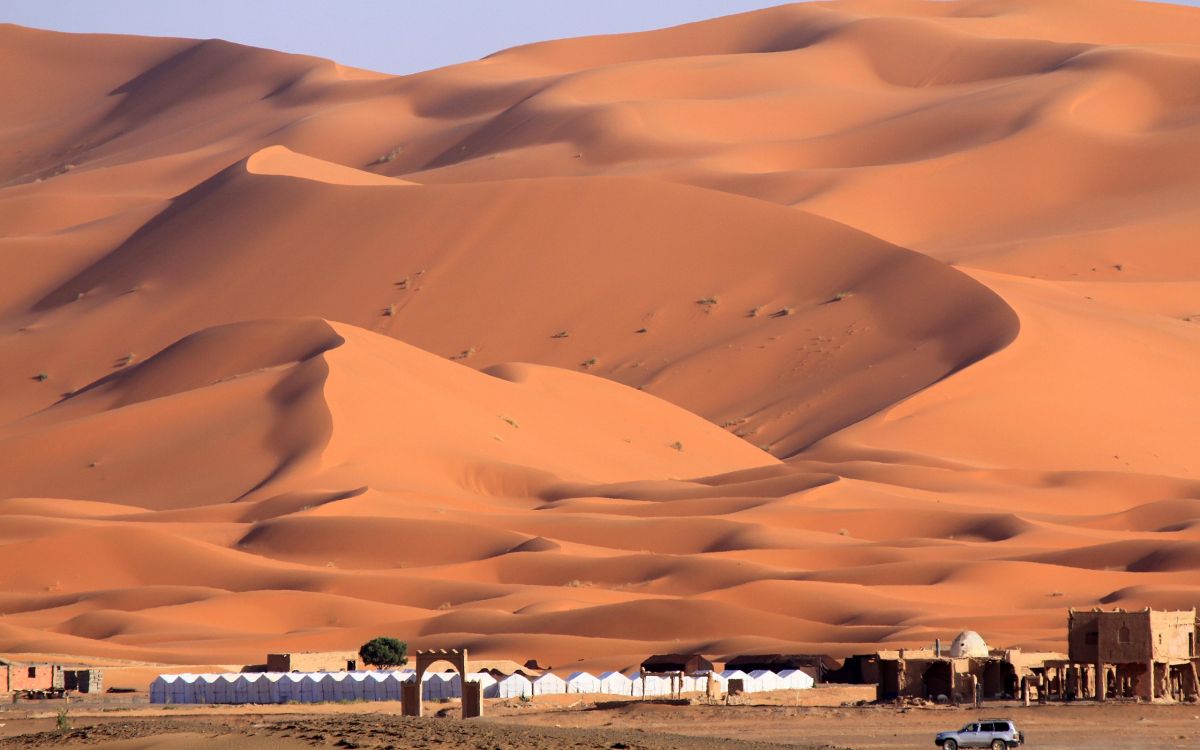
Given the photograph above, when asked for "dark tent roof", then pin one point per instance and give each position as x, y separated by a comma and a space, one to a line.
779, 662
677, 663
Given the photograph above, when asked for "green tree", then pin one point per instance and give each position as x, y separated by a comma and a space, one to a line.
384, 652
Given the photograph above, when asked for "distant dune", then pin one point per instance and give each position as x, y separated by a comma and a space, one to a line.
820, 327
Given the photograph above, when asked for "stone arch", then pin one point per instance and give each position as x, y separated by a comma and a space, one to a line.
472, 695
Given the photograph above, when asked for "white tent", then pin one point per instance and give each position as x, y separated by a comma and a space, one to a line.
488, 683
549, 684
451, 684
514, 686
240, 689
311, 689
160, 688
187, 688
356, 686
765, 680
214, 688
583, 682
637, 686
268, 687
301, 687
386, 686
288, 688
695, 683
615, 683
431, 687
794, 679
656, 685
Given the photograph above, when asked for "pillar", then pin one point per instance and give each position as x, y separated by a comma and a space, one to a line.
1101, 676
1150, 691
410, 697
472, 699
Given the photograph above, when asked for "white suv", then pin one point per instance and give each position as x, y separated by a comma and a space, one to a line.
994, 734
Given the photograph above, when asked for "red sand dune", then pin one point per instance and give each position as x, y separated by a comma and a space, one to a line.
296, 354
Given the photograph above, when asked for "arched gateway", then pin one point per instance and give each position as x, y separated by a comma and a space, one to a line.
472, 691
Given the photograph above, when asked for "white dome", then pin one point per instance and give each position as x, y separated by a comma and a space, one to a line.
968, 643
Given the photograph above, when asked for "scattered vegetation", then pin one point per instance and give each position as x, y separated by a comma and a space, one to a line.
511, 421
390, 156
384, 652
843, 532
590, 362
41, 377
783, 312
574, 583
840, 296
642, 330
525, 698
707, 302
402, 283
560, 335
389, 311
126, 360
444, 606
63, 720
677, 446
753, 312
465, 353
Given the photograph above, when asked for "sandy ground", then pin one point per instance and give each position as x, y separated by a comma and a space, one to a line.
828, 326
632, 725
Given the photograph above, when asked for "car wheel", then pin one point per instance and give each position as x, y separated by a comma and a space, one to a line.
999, 745
950, 745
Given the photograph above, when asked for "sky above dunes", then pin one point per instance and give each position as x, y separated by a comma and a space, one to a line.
392, 37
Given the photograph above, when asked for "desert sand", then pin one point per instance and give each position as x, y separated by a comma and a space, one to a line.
817, 328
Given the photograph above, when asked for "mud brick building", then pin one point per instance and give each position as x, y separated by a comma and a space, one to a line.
1142, 654
16, 676
314, 661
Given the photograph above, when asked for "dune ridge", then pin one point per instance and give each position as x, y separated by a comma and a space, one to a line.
815, 328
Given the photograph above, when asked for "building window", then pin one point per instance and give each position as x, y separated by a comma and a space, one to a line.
1123, 635
32, 672
1092, 638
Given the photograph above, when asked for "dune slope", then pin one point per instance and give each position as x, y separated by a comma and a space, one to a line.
830, 325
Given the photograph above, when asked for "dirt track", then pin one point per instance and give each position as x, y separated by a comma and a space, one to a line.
630, 725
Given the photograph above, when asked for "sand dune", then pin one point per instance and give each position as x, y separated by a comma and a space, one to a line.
820, 327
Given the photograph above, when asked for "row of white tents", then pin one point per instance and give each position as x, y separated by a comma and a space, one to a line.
321, 687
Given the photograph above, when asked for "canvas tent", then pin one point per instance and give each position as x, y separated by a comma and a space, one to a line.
583, 682
765, 680
615, 683
549, 684
514, 686
794, 679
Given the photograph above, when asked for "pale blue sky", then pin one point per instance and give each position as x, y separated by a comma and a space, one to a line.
393, 36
